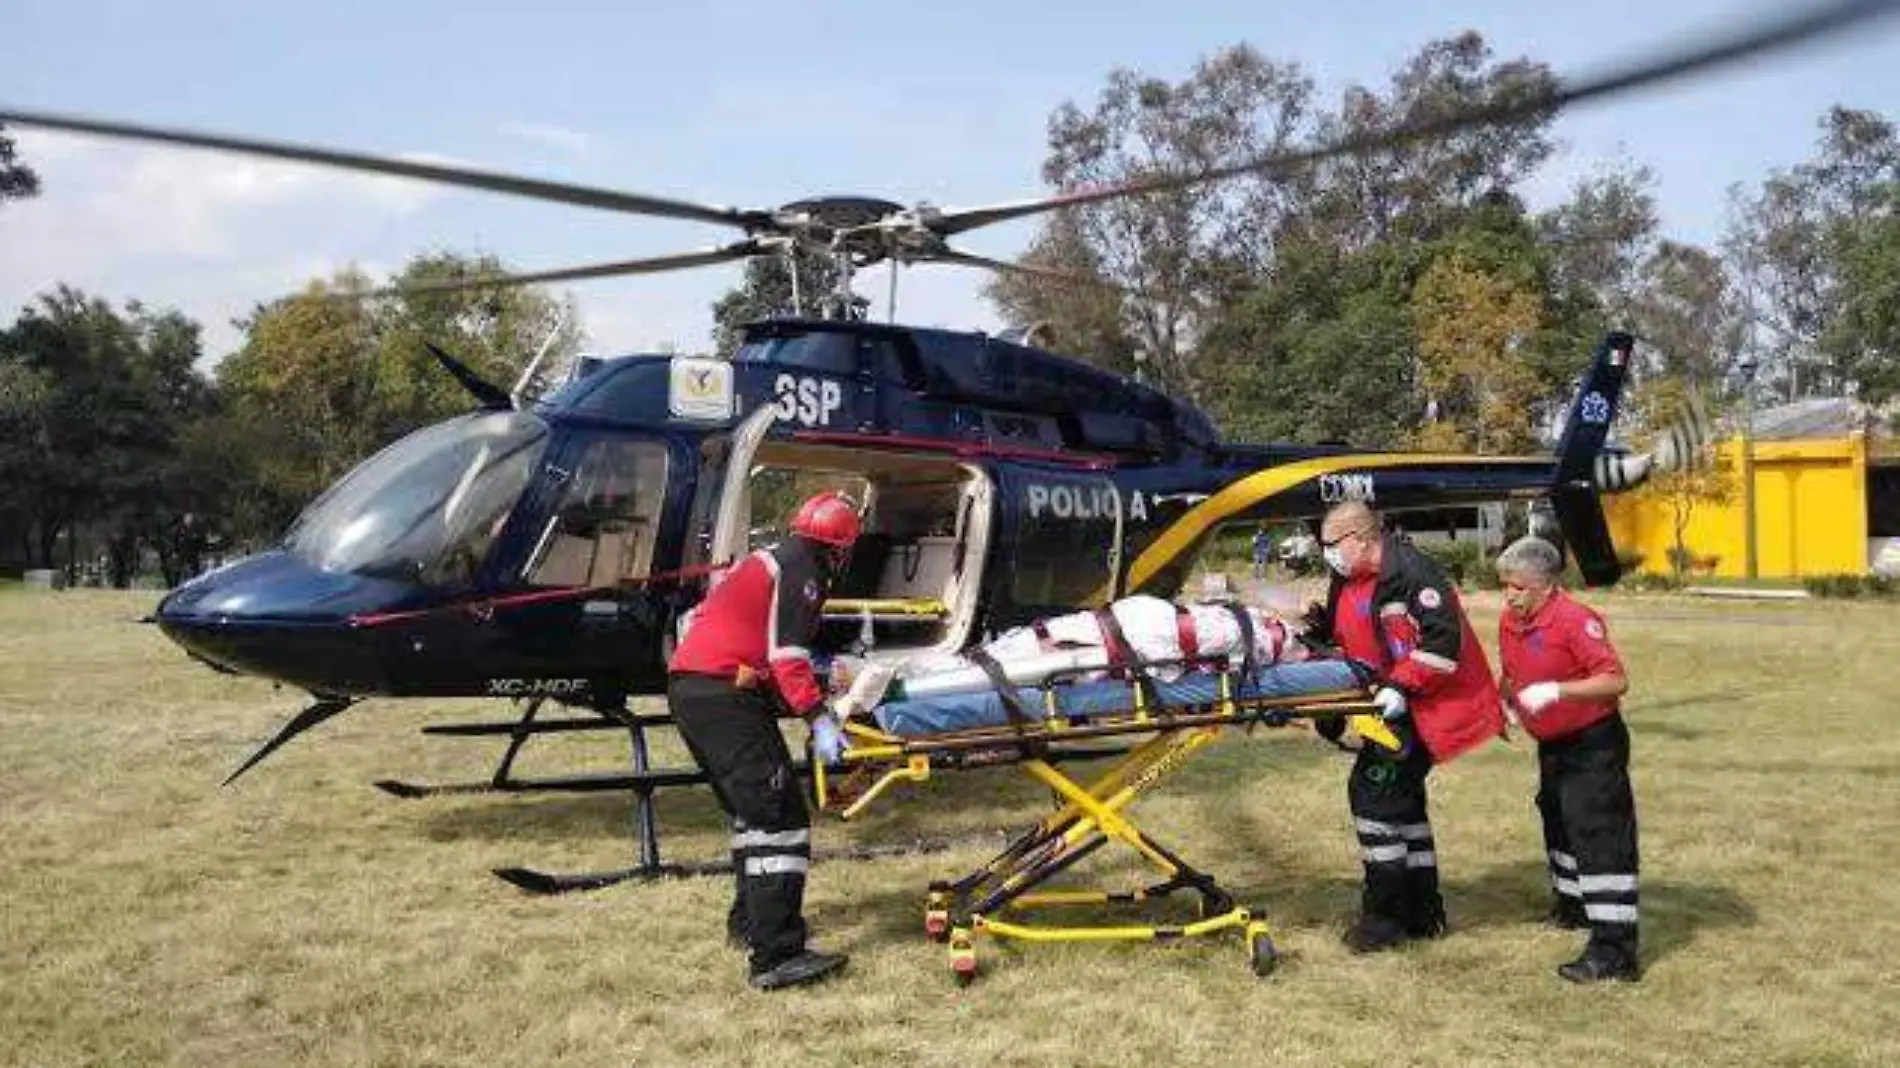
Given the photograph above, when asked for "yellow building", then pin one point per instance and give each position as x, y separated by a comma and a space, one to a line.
1823, 506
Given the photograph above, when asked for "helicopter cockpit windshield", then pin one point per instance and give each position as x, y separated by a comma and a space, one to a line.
427, 508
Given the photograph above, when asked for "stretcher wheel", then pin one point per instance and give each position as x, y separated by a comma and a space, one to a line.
1261, 954
962, 957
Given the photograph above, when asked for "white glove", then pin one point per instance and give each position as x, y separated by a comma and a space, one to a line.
1537, 696
1391, 703
828, 741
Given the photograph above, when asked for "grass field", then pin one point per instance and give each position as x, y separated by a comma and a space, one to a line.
301, 917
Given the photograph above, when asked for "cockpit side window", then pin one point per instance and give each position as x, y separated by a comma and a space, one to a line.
604, 530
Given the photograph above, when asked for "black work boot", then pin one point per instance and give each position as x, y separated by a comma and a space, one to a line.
1374, 933
1566, 914
1602, 963
1427, 920
808, 966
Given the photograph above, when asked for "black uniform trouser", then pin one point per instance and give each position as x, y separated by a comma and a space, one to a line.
1388, 800
734, 735
1589, 816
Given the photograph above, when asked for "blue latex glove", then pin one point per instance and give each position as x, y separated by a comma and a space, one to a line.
828, 742
1391, 704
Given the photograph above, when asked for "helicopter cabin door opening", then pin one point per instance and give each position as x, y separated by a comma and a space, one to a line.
914, 576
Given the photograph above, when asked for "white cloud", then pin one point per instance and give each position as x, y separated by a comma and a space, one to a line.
210, 234
559, 138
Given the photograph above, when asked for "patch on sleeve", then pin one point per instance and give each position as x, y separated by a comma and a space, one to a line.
1593, 628
811, 590
1429, 598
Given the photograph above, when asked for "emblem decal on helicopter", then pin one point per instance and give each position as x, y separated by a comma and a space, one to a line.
699, 388
1337, 489
1595, 409
808, 401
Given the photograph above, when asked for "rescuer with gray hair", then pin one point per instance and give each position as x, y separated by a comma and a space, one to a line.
1563, 679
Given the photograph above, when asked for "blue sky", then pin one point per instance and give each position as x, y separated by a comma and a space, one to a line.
742, 103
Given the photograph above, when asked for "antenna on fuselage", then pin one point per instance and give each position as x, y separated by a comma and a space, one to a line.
527, 374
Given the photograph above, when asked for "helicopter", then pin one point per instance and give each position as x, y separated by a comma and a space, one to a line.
547, 550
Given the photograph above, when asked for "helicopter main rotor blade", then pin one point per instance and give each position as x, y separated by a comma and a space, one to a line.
970, 259
1756, 39
533, 188
738, 250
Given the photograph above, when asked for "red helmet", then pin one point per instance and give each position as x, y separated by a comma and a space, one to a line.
829, 519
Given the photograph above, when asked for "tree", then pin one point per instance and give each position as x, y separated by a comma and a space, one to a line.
1323, 352
1417, 190
1685, 312
24, 393
329, 376
1174, 253
1078, 319
1688, 487
1863, 339
96, 401
1237, 291
1790, 243
1601, 237
17, 180
1471, 326
767, 292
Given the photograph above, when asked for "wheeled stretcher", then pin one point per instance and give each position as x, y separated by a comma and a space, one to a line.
1158, 721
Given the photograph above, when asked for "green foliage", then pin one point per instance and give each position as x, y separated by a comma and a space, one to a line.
766, 292
1863, 338
1814, 254
95, 405
1469, 323
321, 383
1322, 354
1645, 582
17, 180
1850, 586
1464, 562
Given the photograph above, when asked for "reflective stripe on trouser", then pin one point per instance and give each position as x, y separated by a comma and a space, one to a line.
1388, 801
734, 735
1590, 826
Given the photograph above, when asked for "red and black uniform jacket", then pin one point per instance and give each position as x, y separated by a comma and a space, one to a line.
1563, 641
758, 621
1407, 622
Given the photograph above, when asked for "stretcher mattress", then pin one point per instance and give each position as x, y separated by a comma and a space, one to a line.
1079, 701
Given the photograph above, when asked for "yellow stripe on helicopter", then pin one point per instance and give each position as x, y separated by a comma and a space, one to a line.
855, 607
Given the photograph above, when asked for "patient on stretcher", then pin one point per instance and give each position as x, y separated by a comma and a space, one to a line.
1180, 649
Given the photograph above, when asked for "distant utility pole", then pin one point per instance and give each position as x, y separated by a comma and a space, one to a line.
1748, 466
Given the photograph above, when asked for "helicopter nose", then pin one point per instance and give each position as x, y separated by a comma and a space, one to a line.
274, 616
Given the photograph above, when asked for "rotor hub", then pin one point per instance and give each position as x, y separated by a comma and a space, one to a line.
828, 216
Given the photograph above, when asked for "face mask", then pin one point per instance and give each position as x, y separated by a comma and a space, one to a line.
1336, 559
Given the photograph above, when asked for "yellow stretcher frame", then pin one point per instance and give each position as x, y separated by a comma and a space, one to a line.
1088, 815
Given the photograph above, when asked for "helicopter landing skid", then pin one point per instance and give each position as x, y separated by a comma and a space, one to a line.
539, 882
642, 781
613, 718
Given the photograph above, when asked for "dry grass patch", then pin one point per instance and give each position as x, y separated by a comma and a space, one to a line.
300, 917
